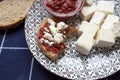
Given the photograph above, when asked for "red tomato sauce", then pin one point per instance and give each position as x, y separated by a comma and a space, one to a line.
56, 47
62, 6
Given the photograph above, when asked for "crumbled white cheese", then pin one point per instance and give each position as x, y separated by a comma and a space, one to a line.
42, 40
61, 26
46, 29
58, 37
48, 36
53, 29
54, 34
51, 22
51, 43
48, 42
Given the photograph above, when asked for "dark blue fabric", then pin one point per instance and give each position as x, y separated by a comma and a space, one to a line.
15, 37
15, 63
1, 35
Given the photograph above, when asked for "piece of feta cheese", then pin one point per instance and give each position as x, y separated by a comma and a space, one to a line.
88, 27
105, 38
87, 11
109, 21
88, 2
84, 44
116, 29
86, 41
97, 18
106, 6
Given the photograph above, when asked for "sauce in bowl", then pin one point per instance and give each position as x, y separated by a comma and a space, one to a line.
63, 8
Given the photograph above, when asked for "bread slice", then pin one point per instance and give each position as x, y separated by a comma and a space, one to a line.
51, 54
13, 12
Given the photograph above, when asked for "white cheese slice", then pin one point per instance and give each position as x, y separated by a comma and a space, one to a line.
88, 27
97, 18
87, 11
106, 6
84, 44
105, 38
109, 22
116, 29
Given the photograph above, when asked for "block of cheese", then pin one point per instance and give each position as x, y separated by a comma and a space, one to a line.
88, 2
86, 41
106, 6
97, 18
87, 12
84, 44
116, 29
88, 27
109, 21
105, 38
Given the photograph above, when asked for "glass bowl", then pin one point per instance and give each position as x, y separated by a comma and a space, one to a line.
79, 6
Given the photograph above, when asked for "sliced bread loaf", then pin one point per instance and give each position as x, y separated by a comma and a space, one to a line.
13, 12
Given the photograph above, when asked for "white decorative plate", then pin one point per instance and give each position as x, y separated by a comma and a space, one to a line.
72, 65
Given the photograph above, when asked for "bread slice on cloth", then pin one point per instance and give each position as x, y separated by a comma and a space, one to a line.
13, 12
51, 37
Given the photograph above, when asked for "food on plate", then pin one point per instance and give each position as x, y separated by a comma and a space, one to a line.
109, 21
116, 29
13, 12
106, 6
52, 36
63, 8
105, 38
85, 27
88, 2
98, 18
86, 41
99, 27
87, 12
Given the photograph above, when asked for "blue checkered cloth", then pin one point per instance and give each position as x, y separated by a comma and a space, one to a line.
17, 63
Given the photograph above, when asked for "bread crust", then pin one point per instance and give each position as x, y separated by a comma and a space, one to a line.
18, 19
51, 55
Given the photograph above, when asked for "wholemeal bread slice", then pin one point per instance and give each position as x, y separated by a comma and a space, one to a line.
13, 12
50, 54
